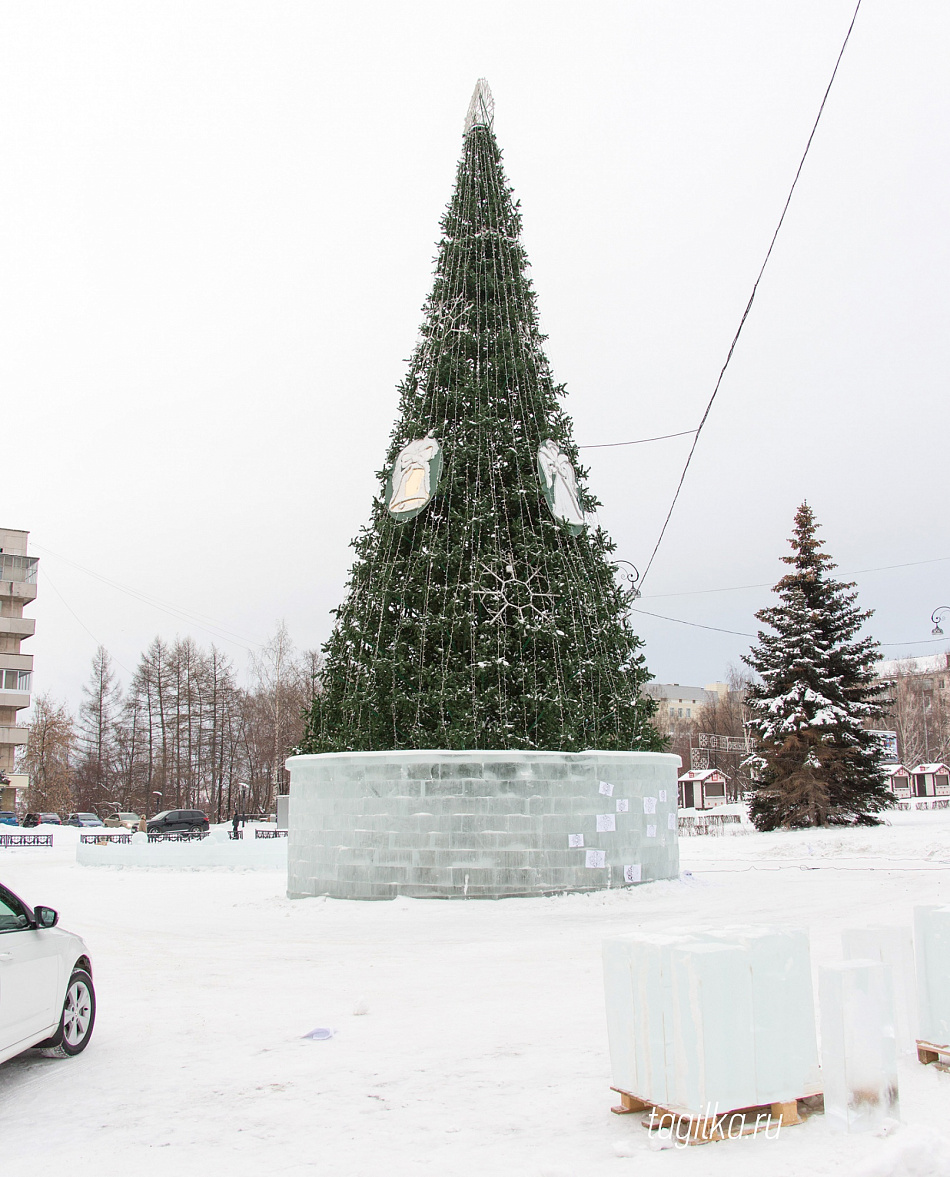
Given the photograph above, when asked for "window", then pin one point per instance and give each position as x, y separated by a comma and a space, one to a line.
687, 713
13, 917
17, 680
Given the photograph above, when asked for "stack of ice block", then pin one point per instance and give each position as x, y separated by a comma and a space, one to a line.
893, 946
698, 1019
932, 944
858, 1049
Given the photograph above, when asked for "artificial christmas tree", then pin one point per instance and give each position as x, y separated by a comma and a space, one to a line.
482, 610
480, 730
816, 763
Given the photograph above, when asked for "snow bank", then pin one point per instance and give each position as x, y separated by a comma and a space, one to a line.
216, 852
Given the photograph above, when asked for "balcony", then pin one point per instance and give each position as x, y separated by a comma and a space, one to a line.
18, 568
24, 627
10, 661
18, 590
15, 699
15, 734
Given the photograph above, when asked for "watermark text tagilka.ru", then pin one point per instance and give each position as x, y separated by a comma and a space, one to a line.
711, 1126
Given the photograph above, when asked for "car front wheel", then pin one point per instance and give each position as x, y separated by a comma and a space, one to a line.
79, 1017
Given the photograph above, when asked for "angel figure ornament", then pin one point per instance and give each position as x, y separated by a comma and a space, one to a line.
559, 483
414, 477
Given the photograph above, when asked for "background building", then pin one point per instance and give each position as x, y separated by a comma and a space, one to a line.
676, 703
917, 706
17, 588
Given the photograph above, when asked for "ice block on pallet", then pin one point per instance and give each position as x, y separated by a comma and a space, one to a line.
932, 948
858, 1045
893, 946
783, 1010
713, 1059
697, 1018
638, 987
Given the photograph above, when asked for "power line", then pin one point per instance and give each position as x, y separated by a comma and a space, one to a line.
200, 620
755, 287
695, 624
606, 445
46, 576
741, 634
734, 588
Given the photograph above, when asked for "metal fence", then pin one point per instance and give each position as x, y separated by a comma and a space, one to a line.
102, 839
7, 840
178, 836
270, 833
707, 823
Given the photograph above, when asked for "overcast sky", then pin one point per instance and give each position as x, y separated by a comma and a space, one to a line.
218, 223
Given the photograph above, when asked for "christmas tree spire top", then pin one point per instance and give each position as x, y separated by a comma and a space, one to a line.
481, 110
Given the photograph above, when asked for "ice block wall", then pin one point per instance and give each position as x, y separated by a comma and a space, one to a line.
858, 1045
932, 950
893, 946
479, 824
698, 1018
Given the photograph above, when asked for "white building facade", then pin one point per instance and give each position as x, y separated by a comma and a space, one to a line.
18, 573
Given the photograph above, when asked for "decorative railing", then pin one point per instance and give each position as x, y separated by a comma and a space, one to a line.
103, 839
270, 833
7, 840
178, 836
707, 823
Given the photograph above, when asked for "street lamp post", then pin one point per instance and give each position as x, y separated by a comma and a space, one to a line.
935, 618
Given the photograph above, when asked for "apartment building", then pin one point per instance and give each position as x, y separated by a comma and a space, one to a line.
17, 588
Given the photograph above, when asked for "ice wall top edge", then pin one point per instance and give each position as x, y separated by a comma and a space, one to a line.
488, 754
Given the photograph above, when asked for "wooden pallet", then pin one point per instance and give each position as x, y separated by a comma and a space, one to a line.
930, 1052
704, 1128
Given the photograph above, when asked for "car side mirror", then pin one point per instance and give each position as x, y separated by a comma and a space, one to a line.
45, 917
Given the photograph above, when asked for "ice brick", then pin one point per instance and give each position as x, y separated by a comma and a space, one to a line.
893, 946
858, 1045
932, 950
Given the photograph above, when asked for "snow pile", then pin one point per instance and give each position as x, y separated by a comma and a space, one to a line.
216, 852
915, 1152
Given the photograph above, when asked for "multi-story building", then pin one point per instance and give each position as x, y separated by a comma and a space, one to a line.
17, 588
676, 703
917, 705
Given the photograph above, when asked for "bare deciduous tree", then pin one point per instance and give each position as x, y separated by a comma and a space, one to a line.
47, 756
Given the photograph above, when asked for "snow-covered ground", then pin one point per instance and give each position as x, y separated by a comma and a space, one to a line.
483, 1045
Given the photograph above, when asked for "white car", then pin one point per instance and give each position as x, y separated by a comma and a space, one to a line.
46, 993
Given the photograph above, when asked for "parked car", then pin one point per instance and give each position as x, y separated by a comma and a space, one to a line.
129, 821
178, 821
31, 821
8, 818
83, 819
47, 997
50, 819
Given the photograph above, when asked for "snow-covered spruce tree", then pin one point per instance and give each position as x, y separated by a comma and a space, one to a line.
482, 620
816, 764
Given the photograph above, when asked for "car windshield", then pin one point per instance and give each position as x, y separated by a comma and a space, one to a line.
127, 816
159, 816
89, 816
